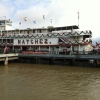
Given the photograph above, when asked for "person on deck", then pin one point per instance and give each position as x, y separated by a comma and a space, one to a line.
6, 49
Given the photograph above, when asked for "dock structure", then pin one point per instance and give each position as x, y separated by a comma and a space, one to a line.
7, 57
91, 58
60, 56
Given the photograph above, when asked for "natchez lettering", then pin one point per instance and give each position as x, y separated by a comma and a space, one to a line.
35, 41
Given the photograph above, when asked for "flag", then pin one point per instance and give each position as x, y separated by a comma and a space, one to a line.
4, 17
97, 44
51, 20
43, 16
34, 22
78, 14
20, 23
25, 19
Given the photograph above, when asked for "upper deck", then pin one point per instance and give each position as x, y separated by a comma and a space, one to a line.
50, 31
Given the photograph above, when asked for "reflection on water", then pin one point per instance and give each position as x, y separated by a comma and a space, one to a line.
48, 82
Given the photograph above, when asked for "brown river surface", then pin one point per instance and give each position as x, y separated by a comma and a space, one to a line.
48, 82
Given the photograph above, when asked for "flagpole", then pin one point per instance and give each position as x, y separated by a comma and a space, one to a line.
44, 19
78, 17
19, 27
51, 21
44, 23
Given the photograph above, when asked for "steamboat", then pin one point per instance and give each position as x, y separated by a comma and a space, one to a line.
59, 40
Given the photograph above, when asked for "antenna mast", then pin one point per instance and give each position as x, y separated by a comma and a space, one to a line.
78, 17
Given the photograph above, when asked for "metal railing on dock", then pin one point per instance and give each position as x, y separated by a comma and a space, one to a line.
61, 52
10, 51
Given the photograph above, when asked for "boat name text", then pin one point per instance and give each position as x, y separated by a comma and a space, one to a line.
35, 41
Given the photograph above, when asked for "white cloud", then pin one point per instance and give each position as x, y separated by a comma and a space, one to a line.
62, 13
5, 11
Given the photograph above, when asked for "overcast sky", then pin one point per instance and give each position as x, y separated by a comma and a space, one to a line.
60, 12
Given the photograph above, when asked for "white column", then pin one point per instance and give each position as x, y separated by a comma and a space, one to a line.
39, 48
49, 48
6, 61
21, 47
71, 48
71, 52
59, 48
30, 47
79, 48
13, 47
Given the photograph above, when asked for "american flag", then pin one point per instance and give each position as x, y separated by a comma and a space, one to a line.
51, 20
20, 23
43, 16
34, 22
4, 17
